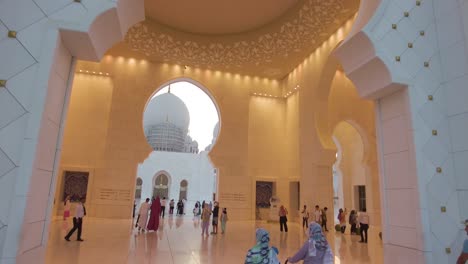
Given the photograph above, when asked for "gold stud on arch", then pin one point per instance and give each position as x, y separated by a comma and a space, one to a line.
12, 34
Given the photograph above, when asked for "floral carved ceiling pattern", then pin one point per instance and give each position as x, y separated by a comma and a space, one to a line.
269, 52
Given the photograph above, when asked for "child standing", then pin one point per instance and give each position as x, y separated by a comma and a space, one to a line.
224, 219
305, 217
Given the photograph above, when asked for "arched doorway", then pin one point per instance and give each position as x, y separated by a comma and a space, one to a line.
349, 171
183, 190
161, 186
344, 112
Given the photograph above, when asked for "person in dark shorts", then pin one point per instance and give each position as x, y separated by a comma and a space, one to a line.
215, 218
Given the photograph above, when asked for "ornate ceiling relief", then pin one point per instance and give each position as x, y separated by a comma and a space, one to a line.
272, 51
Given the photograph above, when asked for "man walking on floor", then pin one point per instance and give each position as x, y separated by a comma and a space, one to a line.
163, 206
80, 212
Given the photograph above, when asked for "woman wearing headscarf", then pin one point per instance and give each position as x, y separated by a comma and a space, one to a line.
261, 253
315, 250
153, 223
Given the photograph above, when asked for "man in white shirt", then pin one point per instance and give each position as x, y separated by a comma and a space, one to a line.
318, 214
163, 206
80, 212
363, 224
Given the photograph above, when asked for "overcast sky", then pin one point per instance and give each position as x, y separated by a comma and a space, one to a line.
203, 113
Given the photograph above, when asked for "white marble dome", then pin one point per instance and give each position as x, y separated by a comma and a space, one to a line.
167, 108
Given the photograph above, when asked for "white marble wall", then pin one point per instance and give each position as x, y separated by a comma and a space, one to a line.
422, 46
34, 73
196, 169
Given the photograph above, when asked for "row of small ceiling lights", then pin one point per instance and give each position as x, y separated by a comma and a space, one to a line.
291, 92
94, 73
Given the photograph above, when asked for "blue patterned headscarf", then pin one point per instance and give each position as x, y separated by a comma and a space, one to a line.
317, 240
261, 253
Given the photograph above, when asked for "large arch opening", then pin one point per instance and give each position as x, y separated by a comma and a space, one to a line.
349, 170
181, 124
341, 106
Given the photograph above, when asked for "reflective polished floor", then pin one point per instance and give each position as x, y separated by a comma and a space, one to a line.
179, 241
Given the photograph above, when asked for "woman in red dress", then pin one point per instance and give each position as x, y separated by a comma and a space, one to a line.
153, 223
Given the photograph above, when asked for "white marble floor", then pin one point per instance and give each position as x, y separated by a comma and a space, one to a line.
179, 242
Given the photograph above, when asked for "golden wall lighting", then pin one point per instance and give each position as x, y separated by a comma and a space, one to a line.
94, 73
434, 132
12, 34
443, 209
2, 83
430, 97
